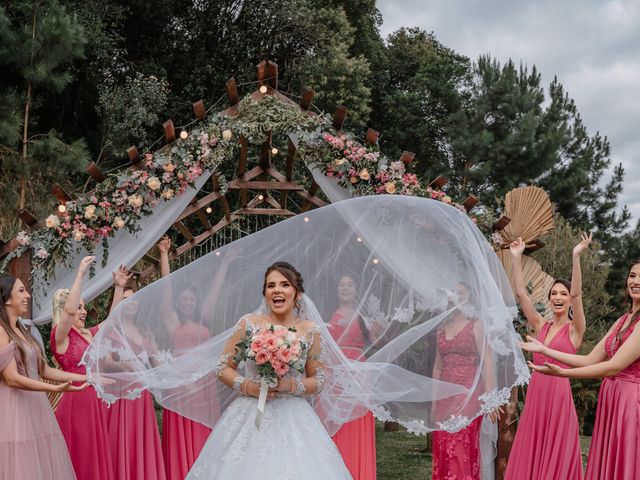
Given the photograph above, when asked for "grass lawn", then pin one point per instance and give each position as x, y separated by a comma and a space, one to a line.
402, 456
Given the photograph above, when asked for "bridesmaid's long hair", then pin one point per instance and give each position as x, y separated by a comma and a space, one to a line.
6, 286
635, 317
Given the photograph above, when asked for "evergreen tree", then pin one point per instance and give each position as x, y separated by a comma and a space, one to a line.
39, 40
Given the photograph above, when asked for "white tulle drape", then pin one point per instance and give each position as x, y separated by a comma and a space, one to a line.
406, 256
124, 249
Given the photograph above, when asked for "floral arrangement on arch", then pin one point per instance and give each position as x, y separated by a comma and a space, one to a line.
363, 170
124, 197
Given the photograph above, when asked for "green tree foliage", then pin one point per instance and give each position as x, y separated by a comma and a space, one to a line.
39, 41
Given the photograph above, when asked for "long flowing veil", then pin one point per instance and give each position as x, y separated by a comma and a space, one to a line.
409, 258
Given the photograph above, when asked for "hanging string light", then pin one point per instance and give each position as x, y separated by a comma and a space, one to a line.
263, 89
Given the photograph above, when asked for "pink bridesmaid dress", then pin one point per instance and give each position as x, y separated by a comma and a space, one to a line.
547, 443
615, 446
82, 416
31, 444
134, 439
456, 456
182, 438
356, 440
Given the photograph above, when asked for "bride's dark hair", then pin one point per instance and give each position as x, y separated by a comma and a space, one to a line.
289, 272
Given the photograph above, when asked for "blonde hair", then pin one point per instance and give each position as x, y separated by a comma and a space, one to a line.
59, 299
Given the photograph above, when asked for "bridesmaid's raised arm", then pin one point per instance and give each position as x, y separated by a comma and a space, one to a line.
534, 319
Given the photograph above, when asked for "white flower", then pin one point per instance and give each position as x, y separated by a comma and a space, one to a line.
52, 221
135, 200
497, 238
78, 235
446, 199
22, 238
118, 223
90, 212
42, 253
227, 134
154, 183
168, 193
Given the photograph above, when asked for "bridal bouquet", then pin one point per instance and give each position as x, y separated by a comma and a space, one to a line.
275, 350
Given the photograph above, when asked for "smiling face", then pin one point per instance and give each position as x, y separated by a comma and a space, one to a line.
18, 302
131, 308
560, 299
81, 315
279, 293
347, 290
633, 283
186, 303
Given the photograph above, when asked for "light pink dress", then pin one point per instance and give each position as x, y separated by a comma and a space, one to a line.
547, 443
82, 416
456, 456
615, 446
134, 439
31, 444
356, 440
183, 439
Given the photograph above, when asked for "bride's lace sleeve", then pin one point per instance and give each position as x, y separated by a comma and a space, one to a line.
226, 367
315, 365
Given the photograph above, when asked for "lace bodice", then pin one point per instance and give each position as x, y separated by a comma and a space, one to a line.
70, 360
612, 345
459, 356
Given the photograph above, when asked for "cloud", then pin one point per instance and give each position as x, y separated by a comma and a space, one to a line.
590, 45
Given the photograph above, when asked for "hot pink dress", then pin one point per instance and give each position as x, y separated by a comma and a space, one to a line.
456, 456
82, 416
31, 444
134, 439
183, 439
356, 440
615, 446
547, 443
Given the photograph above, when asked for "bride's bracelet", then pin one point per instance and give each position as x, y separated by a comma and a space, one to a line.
237, 384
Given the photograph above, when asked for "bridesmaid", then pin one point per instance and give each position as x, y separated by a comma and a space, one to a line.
182, 438
82, 417
356, 440
615, 446
31, 444
460, 347
547, 442
133, 429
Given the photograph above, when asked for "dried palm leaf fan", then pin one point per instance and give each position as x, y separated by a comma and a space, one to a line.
531, 214
536, 280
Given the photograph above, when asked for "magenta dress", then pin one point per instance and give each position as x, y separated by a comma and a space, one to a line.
82, 416
356, 440
183, 439
547, 443
615, 446
456, 456
134, 439
31, 444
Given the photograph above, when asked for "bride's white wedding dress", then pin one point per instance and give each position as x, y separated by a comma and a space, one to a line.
291, 443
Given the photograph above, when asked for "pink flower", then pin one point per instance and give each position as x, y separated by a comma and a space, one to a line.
280, 368
284, 354
271, 343
257, 345
280, 333
262, 357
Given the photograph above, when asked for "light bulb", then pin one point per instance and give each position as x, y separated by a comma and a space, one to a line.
375, 261
217, 254
260, 197
306, 219
359, 239
263, 89
274, 151
209, 210
62, 208
184, 135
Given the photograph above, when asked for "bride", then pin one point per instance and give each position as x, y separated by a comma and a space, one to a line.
290, 434
403, 252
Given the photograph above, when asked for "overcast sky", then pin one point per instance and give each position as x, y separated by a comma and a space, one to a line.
592, 46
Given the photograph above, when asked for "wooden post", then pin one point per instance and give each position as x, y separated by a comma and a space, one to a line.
58, 192
232, 92
95, 173
502, 222
272, 74
372, 136
339, 117
307, 98
263, 73
265, 152
134, 156
439, 182
470, 202
199, 111
407, 157
169, 131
